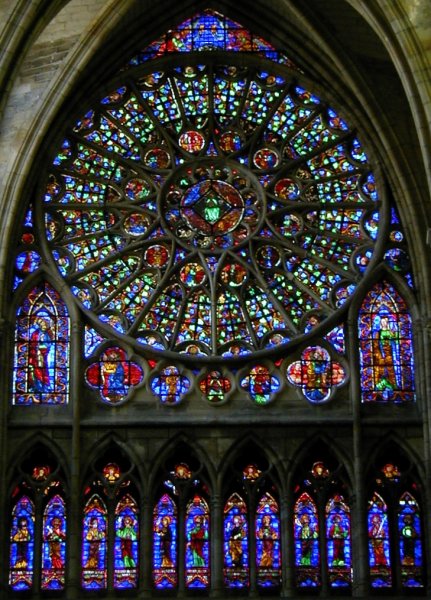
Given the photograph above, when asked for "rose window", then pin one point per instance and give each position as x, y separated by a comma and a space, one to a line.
211, 209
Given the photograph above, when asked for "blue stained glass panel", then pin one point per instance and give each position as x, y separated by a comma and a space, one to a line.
22, 545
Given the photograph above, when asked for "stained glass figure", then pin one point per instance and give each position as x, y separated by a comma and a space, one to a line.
236, 561
245, 220
319, 470
260, 384
267, 531
338, 542
111, 473
197, 545
113, 376
170, 385
22, 545
251, 472
165, 526
410, 540
54, 545
215, 386
94, 545
378, 543
306, 534
40, 473
386, 347
126, 550
391, 472
41, 364
316, 374
181, 471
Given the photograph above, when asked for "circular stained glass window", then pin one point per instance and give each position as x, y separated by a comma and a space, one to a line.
211, 211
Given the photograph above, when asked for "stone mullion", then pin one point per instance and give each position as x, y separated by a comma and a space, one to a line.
145, 549
74, 506
216, 577
287, 547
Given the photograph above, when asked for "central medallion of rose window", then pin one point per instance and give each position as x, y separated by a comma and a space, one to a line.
213, 207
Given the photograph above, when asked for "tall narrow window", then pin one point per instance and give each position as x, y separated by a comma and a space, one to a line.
378, 543
126, 544
54, 544
268, 553
386, 346
197, 546
338, 542
410, 541
306, 534
41, 364
236, 549
165, 532
21, 567
94, 545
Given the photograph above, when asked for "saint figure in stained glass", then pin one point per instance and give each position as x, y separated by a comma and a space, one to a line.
197, 545
268, 556
22, 545
306, 533
386, 346
236, 542
126, 544
54, 544
94, 545
41, 373
165, 543
378, 543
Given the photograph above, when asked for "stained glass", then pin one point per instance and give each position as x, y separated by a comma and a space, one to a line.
236, 560
386, 347
306, 534
41, 364
170, 385
94, 545
215, 386
267, 531
378, 543
316, 374
114, 375
197, 547
208, 31
22, 545
54, 545
338, 542
165, 543
126, 550
410, 535
260, 384
246, 217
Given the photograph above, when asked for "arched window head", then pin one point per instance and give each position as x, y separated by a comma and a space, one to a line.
41, 361
210, 209
386, 347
